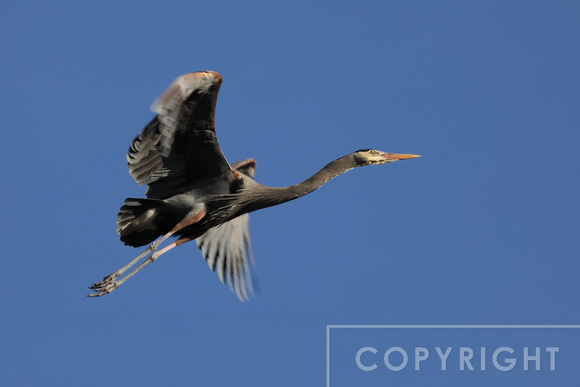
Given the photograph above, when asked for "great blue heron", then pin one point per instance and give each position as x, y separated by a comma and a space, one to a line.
194, 193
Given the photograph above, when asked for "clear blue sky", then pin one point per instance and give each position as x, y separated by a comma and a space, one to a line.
483, 229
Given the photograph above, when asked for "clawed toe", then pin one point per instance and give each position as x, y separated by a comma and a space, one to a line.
113, 280
110, 278
105, 287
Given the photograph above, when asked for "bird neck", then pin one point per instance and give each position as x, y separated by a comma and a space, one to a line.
330, 171
257, 196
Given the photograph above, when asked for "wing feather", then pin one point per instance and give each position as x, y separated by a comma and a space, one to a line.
179, 144
227, 249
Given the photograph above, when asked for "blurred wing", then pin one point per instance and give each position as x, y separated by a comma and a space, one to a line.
179, 145
227, 249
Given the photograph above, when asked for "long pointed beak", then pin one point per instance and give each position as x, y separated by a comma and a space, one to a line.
398, 156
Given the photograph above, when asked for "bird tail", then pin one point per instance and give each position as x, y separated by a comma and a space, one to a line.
136, 221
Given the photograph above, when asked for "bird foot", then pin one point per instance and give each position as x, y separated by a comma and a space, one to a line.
106, 286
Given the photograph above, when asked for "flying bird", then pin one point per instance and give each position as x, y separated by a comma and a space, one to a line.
195, 193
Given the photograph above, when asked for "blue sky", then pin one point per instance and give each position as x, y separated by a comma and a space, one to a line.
483, 229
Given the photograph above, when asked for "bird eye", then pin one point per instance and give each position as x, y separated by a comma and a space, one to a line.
373, 152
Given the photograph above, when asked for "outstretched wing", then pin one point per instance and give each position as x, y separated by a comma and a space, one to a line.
228, 248
179, 145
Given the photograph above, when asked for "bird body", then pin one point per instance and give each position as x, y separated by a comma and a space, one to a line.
194, 193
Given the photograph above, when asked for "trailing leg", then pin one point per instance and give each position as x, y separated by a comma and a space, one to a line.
111, 283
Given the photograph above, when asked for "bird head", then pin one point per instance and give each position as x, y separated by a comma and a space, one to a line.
375, 157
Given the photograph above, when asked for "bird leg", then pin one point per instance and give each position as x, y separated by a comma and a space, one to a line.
110, 282
106, 287
116, 274
151, 248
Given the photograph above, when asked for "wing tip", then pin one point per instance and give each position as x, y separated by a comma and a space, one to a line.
203, 74
176, 94
200, 78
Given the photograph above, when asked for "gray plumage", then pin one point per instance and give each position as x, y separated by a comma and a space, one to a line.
194, 193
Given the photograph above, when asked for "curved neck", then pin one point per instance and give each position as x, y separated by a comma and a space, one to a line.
330, 171
256, 196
